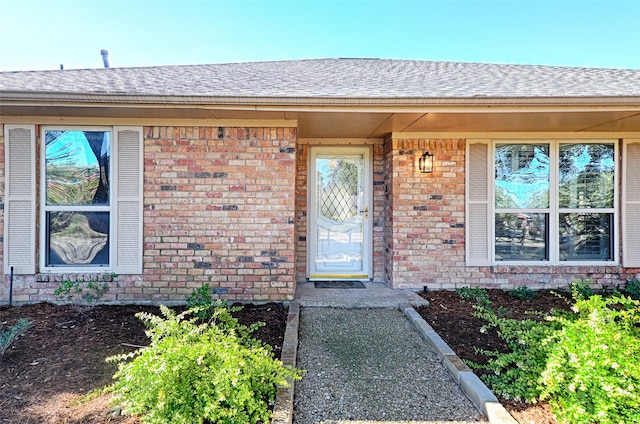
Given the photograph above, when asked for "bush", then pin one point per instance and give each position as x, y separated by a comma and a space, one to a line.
581, 289
192, 372
9, 336
480, 295
201, 302
515, 374
632, 288
83, 292
593, 371
524, 293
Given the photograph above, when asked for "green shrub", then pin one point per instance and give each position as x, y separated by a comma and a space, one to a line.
515, 374
581, 289
201, 301
81, 291
480, 295
524, 293
593, 371
632, 288
9, 336
211, 372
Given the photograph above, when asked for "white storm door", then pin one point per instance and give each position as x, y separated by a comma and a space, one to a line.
340, 213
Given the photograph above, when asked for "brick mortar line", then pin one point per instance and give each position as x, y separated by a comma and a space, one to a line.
483, 399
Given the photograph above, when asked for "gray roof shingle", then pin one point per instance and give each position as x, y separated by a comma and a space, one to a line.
334, 78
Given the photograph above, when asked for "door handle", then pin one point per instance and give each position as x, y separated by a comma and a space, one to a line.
365, 212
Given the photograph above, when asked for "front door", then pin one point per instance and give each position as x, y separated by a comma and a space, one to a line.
340, 213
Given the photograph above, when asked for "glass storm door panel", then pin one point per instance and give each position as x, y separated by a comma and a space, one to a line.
341, 213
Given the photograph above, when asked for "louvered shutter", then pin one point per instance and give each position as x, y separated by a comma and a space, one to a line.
20, 199
631, 204
128, 171
478, 206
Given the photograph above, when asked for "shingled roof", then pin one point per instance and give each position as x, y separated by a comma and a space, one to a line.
330, 79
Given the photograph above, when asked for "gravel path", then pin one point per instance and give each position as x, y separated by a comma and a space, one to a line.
366, 365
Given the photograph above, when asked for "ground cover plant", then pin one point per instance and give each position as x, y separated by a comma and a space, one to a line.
571, 357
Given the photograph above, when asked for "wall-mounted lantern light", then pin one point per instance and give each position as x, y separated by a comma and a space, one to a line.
425, 163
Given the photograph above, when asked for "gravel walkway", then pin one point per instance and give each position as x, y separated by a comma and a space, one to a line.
370, 365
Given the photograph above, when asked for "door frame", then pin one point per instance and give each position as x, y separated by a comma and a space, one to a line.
367, 248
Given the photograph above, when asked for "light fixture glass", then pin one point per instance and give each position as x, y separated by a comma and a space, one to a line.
425, 163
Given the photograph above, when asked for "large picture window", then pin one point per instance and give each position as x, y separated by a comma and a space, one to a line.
554, 202
77, 197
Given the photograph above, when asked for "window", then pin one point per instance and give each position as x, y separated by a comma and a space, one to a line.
77, 203
89, 199
554, 201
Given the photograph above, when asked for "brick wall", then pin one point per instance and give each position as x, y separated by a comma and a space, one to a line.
424, 228
302, 164
219, 209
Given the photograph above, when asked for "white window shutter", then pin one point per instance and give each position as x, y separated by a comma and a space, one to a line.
631, 203
478, 207
128, 178
20, 199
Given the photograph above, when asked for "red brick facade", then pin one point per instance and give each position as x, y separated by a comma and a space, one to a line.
424, 226
227, 206
218, 210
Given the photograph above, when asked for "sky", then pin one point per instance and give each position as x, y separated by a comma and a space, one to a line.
45, 34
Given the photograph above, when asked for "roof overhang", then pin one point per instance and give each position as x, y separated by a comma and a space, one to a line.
339, 117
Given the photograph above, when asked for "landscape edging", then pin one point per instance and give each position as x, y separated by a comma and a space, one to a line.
483, 399
283, 404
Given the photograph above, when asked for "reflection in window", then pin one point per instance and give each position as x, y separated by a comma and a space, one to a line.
77, 167
585, 236
77, 207
522, 200
521, 236
586, 175
522, 176
79, 238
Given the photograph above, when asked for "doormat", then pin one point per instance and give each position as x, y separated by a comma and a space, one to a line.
339, 285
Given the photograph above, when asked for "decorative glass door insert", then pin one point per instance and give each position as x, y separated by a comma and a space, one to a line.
340, 213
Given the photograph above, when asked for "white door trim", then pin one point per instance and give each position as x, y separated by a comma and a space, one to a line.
366, 273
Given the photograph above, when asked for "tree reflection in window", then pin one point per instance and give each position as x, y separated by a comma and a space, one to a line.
77, 197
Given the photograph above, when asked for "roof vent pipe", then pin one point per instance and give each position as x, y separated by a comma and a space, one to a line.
105, 58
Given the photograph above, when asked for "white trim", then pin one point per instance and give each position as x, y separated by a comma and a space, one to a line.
340, 141
150, 121
128, 259
627, 259
470, 226
44, 208
554, 208
367, 265
522, 136
29, 264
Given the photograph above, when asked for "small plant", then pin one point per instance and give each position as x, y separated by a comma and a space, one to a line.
581, 289
201, 301
194, 372
9, 336
478, 294
524, 293
81, 291
514, 374
632, 288
593, 371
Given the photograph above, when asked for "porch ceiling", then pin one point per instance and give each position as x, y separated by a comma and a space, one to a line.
348, 122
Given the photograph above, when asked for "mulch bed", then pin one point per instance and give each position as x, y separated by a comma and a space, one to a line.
61, 358
452, 318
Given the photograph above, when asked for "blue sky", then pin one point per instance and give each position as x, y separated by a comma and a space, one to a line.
43, 34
